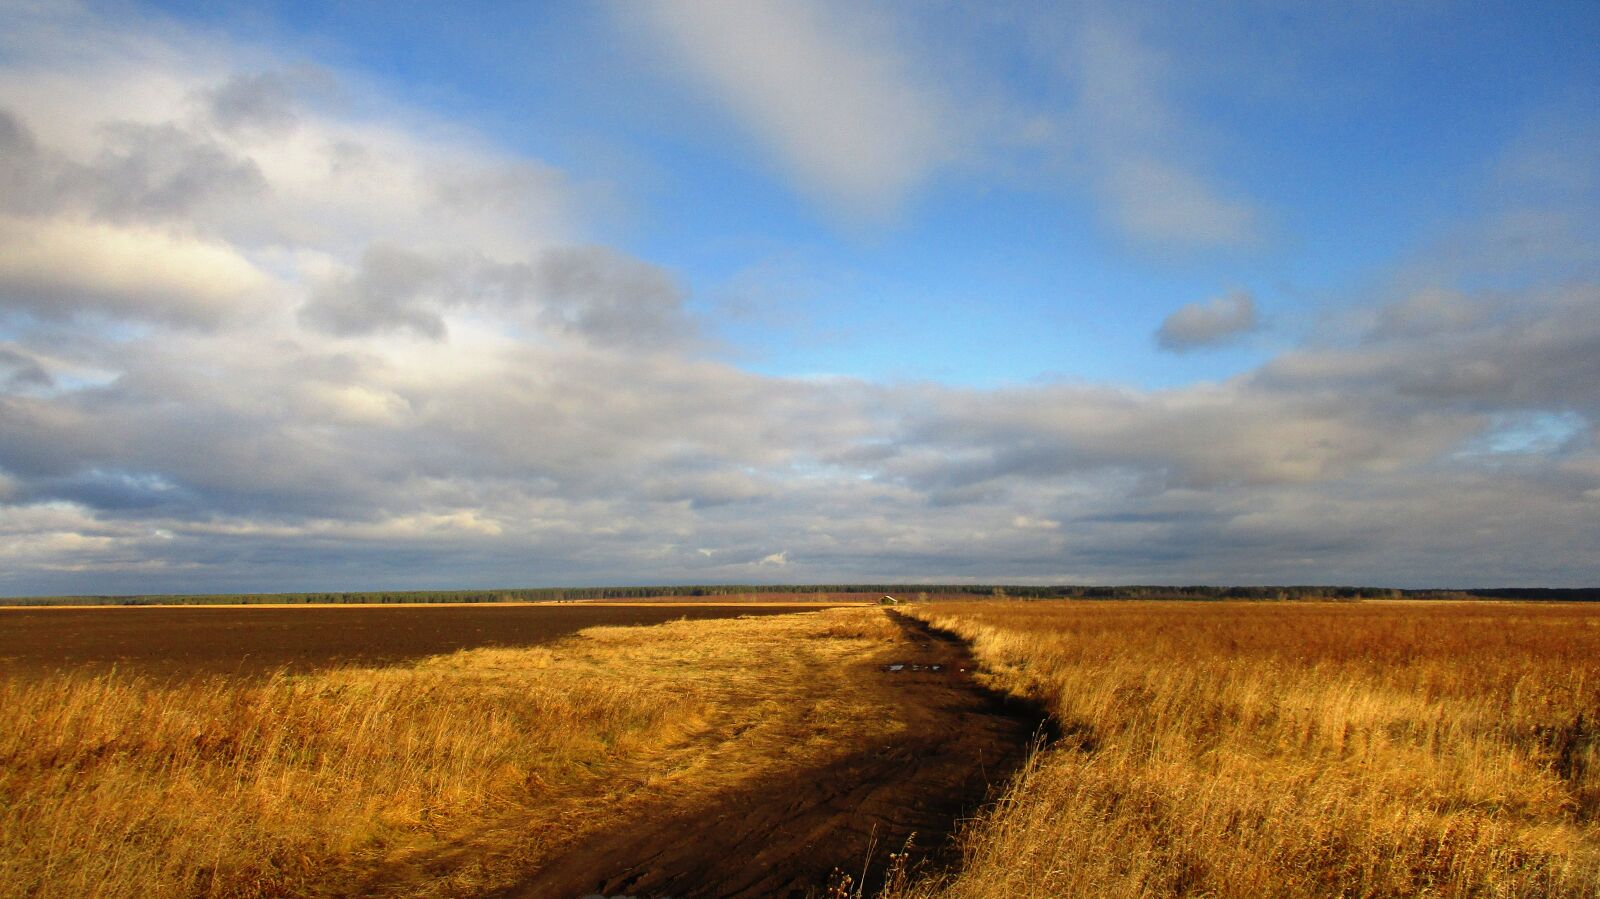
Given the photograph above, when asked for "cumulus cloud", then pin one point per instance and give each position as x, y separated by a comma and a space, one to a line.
831, 95
19, 370
1326, 464
1539, 352
260, 100
141, 172
145, 182
133, 129
115, 234
19, 162
611, 298
592, 292
162, 172
393, 289
62, 267
1209, 323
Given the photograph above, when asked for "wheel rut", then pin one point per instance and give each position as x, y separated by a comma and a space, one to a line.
785, 836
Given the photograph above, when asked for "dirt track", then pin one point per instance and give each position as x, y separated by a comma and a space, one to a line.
784, 838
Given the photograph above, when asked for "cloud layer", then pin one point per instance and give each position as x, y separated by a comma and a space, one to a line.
250, 340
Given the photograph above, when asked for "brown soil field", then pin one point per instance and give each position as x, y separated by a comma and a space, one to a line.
176, 641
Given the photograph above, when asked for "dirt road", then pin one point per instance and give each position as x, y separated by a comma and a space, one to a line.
784, 837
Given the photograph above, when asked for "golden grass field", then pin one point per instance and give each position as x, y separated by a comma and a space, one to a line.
1209, 749
1300, 749
444, 777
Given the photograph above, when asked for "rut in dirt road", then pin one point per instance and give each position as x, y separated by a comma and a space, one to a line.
785, 837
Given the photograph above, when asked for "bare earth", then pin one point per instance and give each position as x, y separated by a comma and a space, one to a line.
186, 640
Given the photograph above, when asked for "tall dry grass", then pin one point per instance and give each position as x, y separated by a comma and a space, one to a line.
442, 777
1238, 750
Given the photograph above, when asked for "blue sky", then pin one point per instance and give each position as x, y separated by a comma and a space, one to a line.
796, 290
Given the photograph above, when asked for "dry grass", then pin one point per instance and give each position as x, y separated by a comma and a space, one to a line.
1237, 750
445, 777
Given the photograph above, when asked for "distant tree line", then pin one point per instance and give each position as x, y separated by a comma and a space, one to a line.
1013, 591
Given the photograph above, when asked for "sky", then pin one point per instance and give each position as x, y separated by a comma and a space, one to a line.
312, 296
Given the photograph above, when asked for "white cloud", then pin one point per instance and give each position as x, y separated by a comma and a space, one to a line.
134, 124
858, 115
829, 92
62, 266
1129, 147
599, 464
590, 292
1157, 202
1210, 323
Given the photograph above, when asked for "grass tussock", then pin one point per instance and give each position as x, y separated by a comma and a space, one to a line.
1238, 750
445, 776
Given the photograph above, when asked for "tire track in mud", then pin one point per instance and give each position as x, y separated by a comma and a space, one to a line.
784, 837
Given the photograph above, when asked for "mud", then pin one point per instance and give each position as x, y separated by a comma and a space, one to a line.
785, 837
